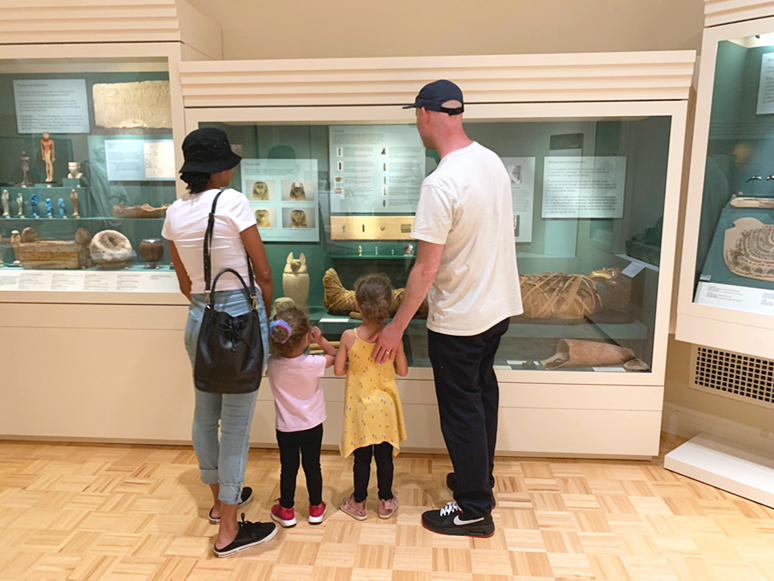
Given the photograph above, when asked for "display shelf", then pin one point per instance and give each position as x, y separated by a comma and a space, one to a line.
371, 257
634, 331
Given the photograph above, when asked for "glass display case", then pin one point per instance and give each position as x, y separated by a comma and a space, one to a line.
87, 171
727, 277
336, 201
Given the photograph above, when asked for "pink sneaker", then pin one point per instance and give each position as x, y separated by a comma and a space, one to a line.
388, 507
356, 510
284, 516
316, 513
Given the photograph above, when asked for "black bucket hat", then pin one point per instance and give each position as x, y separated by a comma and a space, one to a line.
207, 150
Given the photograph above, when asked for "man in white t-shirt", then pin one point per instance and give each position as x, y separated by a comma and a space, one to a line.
466, 266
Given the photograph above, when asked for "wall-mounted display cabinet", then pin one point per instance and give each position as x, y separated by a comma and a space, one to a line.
334, 181
726, 295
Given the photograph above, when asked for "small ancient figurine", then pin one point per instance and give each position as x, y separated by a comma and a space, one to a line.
6, 204
62, 209
34, 203
20, 203
49, 208
74, 169
16, 245
295, 280
74, 200
48, 154
25, 167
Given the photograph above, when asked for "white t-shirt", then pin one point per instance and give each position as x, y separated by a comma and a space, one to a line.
465, 204
299, 403
186, 224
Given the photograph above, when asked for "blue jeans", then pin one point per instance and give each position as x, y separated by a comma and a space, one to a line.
223, 462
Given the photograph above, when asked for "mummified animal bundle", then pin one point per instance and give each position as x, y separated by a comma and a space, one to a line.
340, 301
574, 296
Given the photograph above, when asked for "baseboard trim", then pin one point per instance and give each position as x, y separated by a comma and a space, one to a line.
688, 423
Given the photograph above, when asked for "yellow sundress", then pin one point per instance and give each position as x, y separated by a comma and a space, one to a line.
372, 410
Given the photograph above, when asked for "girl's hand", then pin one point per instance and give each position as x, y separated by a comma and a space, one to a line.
315, 335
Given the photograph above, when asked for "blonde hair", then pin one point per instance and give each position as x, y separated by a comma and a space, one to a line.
285, 343
373, 293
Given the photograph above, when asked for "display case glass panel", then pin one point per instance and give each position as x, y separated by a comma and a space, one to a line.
87, 169
735, 253
588, 203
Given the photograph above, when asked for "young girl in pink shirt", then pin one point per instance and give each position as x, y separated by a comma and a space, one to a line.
300, 409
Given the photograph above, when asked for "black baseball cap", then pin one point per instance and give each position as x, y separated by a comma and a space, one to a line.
433, 95
207, 150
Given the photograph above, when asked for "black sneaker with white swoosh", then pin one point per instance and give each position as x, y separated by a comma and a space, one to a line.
451, 520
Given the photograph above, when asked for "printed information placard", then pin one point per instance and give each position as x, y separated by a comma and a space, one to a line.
766, 87
521, 171
738, 298
52, 105
375, 169
584, 187
140, 160
284, 196
127, 281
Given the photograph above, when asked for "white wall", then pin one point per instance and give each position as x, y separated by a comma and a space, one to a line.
264, 29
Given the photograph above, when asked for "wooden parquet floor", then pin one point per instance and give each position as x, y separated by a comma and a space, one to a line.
131, 513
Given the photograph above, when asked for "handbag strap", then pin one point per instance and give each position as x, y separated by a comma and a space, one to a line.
209, 287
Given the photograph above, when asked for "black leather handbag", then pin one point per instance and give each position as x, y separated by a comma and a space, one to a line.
229, 350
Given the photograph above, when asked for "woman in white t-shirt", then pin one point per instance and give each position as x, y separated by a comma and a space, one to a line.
209, 165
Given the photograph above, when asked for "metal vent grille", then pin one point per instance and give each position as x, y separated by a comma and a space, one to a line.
735, 375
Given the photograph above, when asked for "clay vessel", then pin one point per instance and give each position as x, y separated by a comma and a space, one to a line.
152, 251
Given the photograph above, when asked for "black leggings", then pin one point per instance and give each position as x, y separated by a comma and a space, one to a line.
308, 442
384, 470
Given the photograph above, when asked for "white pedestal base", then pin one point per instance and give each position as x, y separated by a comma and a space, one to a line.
725, 465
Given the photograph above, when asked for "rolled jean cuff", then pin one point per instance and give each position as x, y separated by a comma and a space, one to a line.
209, 477
230, 493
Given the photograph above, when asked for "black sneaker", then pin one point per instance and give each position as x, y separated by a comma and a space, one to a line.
246, 497
451, 484
250, 534
450, 520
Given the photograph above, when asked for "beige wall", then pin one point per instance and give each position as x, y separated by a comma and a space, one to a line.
352, 28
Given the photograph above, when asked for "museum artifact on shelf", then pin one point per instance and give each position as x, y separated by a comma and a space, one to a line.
748, 249
48, 155
152, 251
34, 203
110, 249
38, 254
25, 169
74, 201
283, 304
340, 301
20, 205
6, 204
74, 170
581, 353
16, 245
574, 296
142, 211
295, 281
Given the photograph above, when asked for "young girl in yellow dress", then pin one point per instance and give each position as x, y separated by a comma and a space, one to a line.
373, 415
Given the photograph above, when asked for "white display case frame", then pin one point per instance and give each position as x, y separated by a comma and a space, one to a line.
542, 412
721, 328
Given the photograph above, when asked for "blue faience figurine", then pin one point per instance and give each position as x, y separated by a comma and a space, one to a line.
62, 210
49, 208
34, 203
